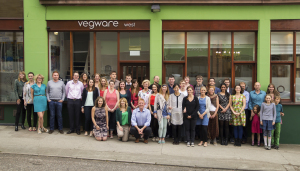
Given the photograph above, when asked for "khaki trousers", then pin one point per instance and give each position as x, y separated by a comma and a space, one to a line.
123, 134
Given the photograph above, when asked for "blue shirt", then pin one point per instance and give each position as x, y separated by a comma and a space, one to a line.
278, 110
217, 90
246, 93
171, 90
139, 118
256, 99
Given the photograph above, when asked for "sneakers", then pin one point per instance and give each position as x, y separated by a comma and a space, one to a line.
192, 144
159, 142
39, 131
276, 147
188, 144
269, 148
45, 130
266, 147
153, 139
157, 139
163, 141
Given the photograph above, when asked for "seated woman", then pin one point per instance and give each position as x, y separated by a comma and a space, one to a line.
123, 118
100, 119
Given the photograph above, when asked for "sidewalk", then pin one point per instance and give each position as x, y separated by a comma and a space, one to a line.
75, 146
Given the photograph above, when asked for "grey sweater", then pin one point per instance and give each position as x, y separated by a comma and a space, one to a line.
268, 112
55, 90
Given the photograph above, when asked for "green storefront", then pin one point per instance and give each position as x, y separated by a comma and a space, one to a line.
249, 43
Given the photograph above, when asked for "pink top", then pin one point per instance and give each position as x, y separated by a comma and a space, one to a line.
111, 99
74, 90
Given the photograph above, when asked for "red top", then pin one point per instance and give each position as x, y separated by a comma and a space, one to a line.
111, 99
102, 92
152, 99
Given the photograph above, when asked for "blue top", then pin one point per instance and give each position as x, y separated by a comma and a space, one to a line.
37, 91
202, 108
246, 94
139, 118
278, 110
217, 90
171, 90
256, 99
165, 112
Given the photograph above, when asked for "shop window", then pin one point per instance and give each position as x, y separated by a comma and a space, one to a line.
281, 78
282, 46
59, 54
174, 46
134, 46
297, 99
244, 73
176, 70
244, 46
107, 53
220, 56
197, 55
12, 62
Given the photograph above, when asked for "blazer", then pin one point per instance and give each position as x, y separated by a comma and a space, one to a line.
84, 95
119, 115
128, 98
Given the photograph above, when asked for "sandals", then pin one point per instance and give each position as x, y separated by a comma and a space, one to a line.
30, 129
205, 145
201, 143
33, 129
85, 133
91, 134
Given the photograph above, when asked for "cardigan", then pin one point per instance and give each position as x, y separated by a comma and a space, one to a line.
191, 107
84, 95
128, 98
208, 103
159, 105
119, 115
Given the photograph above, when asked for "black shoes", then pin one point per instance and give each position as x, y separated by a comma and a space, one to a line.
70, 132
222, 141
23, 127
239, 142
61, 131
226, 141
78, 132
51, 131
16, 128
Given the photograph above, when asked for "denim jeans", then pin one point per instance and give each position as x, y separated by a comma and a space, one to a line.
55, 108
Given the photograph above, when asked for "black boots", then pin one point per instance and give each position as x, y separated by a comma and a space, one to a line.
23, 127
226, 141
16, 128
239, 143
222, 141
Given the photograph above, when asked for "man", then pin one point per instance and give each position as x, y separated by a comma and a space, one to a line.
55, 96
156, 81
213, 83
198, 86
256, 97
73, 92
113, 77
171, 81
227, 82
140, 121
128, 81
247, 112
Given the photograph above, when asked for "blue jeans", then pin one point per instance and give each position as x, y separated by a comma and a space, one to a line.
55, 108
238, 132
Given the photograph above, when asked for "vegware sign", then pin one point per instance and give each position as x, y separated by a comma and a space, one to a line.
93, 24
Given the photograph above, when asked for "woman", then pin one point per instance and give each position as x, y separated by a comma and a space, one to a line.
154, 122
272, 91
187, 82
123, 93
203, 113
18, 90
97, 80
84, 79
111, 97
176, 113
28, 103
100, 119
213, 126
103, 86
123, 117
224, 113
145, 93
237, 106
38, 92
134, 94
89, 95
161, 112
190, 106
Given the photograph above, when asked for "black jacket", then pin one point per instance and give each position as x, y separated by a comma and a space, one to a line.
128, 98
191, 107
84, 95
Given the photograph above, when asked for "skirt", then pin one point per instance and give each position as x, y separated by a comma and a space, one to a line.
213, 126
40, 103
267, 125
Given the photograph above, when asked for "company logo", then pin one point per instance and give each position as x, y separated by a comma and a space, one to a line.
93, 24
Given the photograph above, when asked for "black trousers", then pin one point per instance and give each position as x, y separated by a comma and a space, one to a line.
74, 110
20, 109
154, 126
112, 120
176, 132
147, 132
203, 133
88, 118
29, 108
190, 126
170, 130
248, 124
224, 127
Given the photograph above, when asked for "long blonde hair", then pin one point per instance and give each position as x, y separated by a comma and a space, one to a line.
167, 92
126, 103
24, 79
106, 83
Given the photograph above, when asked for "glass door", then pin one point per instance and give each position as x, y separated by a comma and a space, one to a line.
139, 71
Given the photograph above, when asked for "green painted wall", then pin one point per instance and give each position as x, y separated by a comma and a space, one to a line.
8, 114
290, 125
35, 34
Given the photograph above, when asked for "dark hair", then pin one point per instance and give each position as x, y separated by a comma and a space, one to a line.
111, 81
128, 75
33, 73
120, 86
211, 78
112, 72
257, 107
176, 85
234, 92
157, 91
137, 87
76, 72
87, 78
199, 77
276, 93
226, 79
226, 93
96, 101
171, 76
88, 85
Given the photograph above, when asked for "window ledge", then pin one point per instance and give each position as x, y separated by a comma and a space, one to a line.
291, 103
8, 103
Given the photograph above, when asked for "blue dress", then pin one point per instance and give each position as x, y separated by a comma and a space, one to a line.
40, 99
202, 108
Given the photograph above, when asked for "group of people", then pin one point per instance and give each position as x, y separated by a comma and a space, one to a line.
182, 111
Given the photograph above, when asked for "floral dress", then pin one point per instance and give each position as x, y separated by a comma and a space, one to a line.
100, 119
237, 104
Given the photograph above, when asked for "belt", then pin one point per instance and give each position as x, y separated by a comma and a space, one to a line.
55, 100
39, 95
74, 99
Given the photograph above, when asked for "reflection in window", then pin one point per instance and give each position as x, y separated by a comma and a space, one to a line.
282, 46
107, 53
281, 78
220, 56
59, 54
12, 61
134, 46
176, 70
243, 73
297, 67
174, 49
244, 46
197, 51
